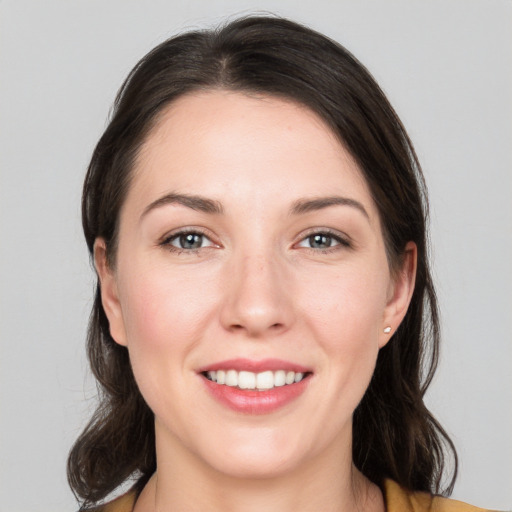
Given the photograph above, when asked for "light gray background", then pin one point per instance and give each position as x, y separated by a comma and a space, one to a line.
447, 68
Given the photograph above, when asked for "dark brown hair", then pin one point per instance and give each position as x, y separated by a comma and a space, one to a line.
395, 436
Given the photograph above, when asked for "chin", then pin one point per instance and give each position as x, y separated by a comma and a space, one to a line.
264, 455
272, 466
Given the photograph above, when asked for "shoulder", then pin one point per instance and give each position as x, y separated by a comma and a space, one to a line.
399, 499
124, 503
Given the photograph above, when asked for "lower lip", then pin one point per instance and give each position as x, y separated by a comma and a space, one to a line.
256, 402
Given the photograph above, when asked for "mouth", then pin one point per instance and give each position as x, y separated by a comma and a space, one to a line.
255, 387
262, 381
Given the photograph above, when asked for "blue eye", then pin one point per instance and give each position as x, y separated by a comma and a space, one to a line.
322, 241
188, 241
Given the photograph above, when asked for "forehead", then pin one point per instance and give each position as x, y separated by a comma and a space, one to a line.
229, 145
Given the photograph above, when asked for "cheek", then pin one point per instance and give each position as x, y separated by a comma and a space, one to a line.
162, 309
346, 319
348, 305
164, 315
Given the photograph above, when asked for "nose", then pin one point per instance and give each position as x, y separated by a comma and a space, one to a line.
257, 299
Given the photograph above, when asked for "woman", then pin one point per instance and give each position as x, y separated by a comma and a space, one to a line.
265, 324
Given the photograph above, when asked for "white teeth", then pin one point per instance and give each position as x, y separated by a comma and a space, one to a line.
256, 381
232, 378
265, 380
280, 378
246, 380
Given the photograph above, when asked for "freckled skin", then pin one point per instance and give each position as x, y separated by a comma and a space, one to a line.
254, 289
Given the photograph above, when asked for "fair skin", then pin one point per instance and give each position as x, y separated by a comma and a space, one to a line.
264, 271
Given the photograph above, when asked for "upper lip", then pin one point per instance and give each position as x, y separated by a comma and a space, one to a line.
250, 365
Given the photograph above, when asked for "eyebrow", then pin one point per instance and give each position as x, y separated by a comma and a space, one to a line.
205, 205
310, 205
198, 203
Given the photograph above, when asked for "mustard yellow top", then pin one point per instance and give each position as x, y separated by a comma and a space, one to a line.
396, 498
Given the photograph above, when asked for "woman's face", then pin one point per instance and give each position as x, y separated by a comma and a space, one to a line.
249, 246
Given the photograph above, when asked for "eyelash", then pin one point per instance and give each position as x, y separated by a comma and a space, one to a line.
167, 241
342, 242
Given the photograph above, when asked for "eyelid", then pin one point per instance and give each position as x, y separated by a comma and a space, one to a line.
165, 241
344, 241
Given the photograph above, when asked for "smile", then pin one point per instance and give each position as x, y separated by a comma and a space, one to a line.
262, 381
255, 387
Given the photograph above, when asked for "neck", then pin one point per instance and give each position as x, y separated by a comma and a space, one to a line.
329, 483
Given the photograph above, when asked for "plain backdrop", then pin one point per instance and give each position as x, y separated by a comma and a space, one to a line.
446, 66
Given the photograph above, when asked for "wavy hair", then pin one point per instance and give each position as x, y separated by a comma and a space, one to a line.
394, 434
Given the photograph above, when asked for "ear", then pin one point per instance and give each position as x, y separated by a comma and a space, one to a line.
400, 294
109, 294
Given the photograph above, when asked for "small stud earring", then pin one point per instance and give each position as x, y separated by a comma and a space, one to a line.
387, 329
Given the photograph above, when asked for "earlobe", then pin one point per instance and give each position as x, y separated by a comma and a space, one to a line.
400, 295
109, 292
